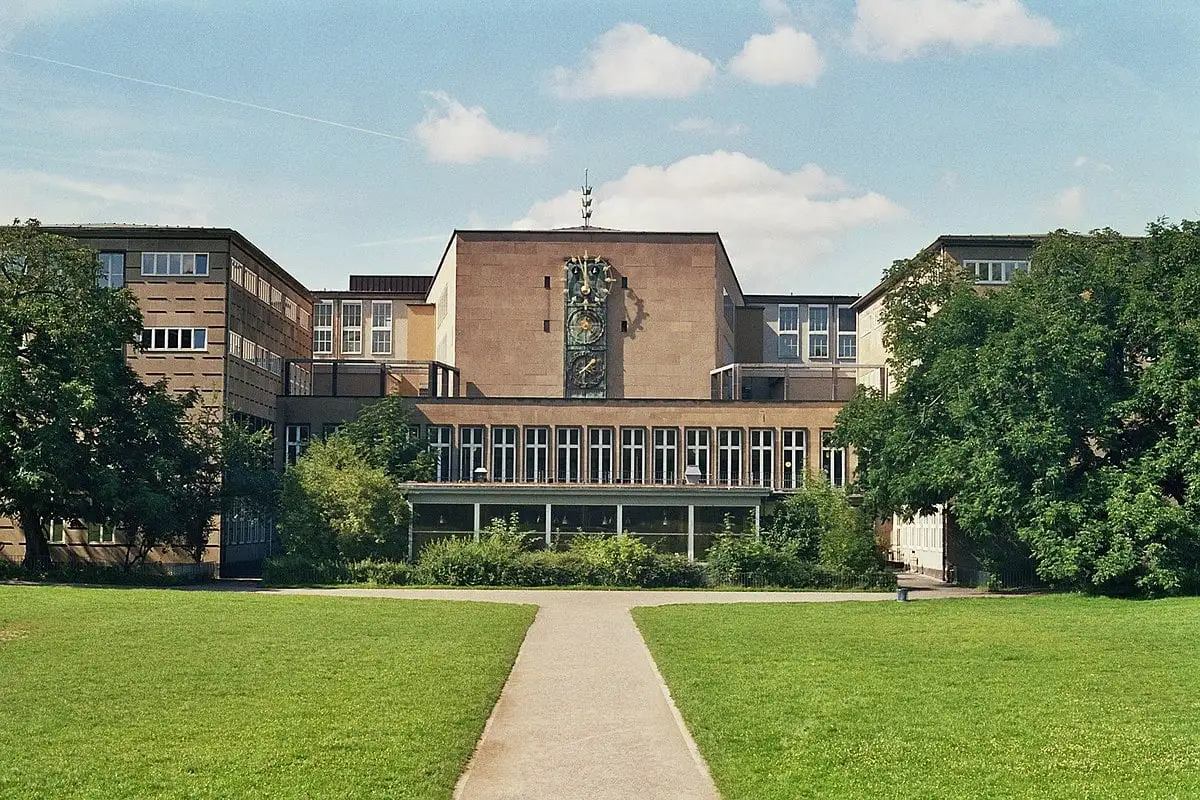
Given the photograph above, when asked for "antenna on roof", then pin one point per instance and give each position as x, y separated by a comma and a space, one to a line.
586, 201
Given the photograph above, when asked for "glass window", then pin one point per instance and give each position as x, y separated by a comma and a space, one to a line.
833, 460
697, 442
795, 457
297, 439
504, 454
322, 319
847, 334
818, 332
174, 338
729, 456
174, 263
237, 272
762, 457
351, 327
633, 455
600, 455
441, 442
112, 270
567, 454
666, 455
381, 327
470, 451
537, 455
789, 331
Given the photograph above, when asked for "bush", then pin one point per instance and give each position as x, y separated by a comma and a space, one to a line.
744, 561
144, 574
294, 570
334, 506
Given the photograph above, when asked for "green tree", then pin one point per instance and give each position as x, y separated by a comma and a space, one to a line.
1058, 418
64, 383
335, 504
383, 433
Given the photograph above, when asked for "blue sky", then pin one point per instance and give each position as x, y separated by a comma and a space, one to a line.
822, 139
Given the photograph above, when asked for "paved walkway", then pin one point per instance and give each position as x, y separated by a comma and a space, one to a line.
584, 714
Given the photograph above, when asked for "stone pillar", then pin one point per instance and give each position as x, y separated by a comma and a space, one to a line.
620, 518
477, 522
691, 533
549, 509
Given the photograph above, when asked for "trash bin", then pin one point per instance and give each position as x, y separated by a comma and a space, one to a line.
902, 594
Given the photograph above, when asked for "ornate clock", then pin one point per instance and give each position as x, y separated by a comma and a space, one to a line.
585, 346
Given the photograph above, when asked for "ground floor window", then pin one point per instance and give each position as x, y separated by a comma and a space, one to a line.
297, 440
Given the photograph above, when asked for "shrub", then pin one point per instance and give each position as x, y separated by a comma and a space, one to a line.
294, 570
335, 506
620, 560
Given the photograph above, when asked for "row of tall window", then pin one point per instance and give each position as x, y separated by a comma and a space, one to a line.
175, 264
765, 457
238, 529
818, 332
260, 287
995, 271
241, 347
90, 532
351, 327
191, 339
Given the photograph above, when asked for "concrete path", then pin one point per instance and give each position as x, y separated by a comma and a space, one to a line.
585, 714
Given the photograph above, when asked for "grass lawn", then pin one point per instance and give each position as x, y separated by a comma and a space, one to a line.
120, 693
1051, 697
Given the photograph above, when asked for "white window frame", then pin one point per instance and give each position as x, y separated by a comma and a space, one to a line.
159, 340
698, 451
995, 272
237, 271
103, 533
250, 282
296, 439
568, 450
600, 455
112, 269
762, 457
795, 457
729, 456
354, 330
833, 460
381, 331
666, 455
323, 325
472, 443
633, 455
847, 341
818, 333
441, 442
504, 453
233, 344
174, 265
789, 337
537, 454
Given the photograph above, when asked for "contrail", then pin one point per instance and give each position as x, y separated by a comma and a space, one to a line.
206, 96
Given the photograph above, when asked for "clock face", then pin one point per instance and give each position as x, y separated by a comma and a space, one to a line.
586, 371
585, 326
588, 279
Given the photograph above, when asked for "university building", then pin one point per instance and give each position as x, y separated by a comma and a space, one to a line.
587, 380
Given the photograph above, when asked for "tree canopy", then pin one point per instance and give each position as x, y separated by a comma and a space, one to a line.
1057, 418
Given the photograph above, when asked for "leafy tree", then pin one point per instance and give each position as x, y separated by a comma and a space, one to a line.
335, 504
1059, 417
383, 435
64, 382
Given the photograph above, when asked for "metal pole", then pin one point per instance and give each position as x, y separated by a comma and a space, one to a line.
548, 512
477, 522
691, 533
620, 518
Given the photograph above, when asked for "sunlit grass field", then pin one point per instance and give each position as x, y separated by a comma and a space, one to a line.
118, 693
1050, 697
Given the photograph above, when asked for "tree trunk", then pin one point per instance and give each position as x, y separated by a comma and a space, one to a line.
37, 549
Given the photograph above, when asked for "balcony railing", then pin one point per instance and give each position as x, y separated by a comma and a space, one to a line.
308, 377
792, 382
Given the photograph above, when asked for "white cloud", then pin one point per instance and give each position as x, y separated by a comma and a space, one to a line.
630, 61
708, 126
775, 8
1068, 204
775, 224
899, 29
781, 57
453, 133
58, 198
949, 180
1083, 162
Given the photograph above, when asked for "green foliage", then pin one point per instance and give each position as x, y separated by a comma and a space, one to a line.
295, 570
82, 572
754, 562
625, 560
383, 435
336, 506
249, 481
1056, 418
818, 524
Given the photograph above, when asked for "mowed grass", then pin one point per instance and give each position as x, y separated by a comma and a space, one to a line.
1052, 697
115, 693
